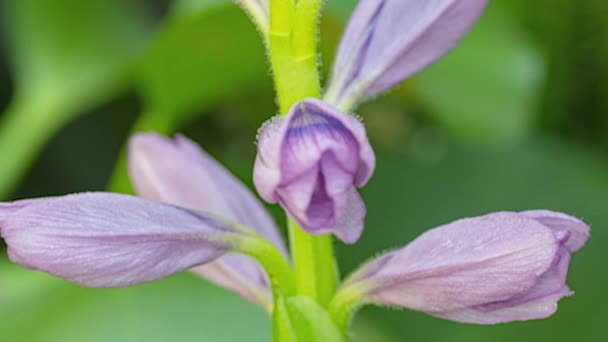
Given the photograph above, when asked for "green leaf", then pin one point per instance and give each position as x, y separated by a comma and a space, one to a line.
206, 53
66, 56
198, 59
39, 308
487, 89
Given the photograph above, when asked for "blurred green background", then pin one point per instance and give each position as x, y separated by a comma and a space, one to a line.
515, 118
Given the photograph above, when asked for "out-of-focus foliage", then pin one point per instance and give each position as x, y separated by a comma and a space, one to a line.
66, 56
514, 118
36, 307
497, 102
573, 37
224, 57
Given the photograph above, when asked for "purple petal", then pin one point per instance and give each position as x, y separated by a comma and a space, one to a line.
538, 302
542, 307
578, 230
109, 240
493, 257
310, 162
240, 274
387, 41
267, 171
179, 172
490, 269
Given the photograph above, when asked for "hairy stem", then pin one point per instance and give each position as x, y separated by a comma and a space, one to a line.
293, 54
345, 303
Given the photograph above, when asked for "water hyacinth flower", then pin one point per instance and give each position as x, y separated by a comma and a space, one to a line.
179, 172
387, 41
311, 161
491, 269
195, 215
111, 240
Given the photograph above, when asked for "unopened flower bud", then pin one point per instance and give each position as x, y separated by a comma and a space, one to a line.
491, 269
311, 162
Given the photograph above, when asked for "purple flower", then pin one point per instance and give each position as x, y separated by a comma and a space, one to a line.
311, 161
387, 41
495, 268
111, 240
180, 173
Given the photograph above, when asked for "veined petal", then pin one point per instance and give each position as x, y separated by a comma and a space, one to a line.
387, 41
179, 172
110, 240
490, 269
560, 222
310, 161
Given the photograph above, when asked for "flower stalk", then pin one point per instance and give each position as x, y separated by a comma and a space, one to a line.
293, 50
345, 303
279, 271
293, 54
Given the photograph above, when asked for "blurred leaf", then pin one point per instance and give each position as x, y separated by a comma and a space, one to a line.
573, 36
410, 194
199, 58
180, 308
205, 53
66, 56
488, 88
194, 7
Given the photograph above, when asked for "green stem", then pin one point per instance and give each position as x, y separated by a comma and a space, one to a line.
293, 54
293, 50
268, 255
345, 303
314, 263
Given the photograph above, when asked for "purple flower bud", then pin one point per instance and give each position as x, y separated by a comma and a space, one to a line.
111, 240
310, 161
491, 269
178, 172
387, 41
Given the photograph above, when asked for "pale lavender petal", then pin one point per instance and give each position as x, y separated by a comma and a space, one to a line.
350, 222
542, 307
110, 240
267, 170
310, 162
179, 172
240, 274
579, 231
493, 257
490, 269
386, 41
540, 301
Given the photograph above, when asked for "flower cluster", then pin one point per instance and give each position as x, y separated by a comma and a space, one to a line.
193, 214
